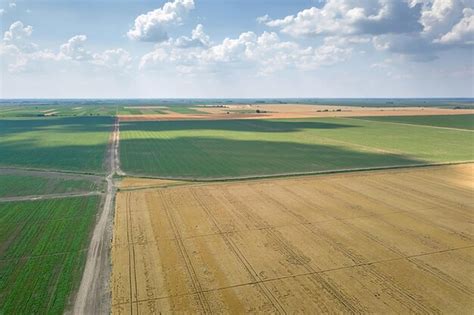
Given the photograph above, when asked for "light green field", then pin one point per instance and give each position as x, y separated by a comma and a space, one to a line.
42, 253
73, 144
12, 185
239, 148
446, 121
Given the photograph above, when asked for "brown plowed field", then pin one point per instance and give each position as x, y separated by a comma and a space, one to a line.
384, 241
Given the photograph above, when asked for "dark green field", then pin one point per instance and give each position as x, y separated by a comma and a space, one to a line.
73, 144
447, 121
42, 253
239, 148
12, 184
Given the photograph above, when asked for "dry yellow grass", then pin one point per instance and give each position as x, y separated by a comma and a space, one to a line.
394, 241
272, 111
136, 182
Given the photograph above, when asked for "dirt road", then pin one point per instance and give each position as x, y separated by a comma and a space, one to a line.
50, 196
93, 296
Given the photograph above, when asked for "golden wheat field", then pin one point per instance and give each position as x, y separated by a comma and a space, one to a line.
384, 241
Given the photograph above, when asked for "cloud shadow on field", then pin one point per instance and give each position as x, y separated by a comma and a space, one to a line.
244, 125
208, 157
10, 126
66, 143
28, 154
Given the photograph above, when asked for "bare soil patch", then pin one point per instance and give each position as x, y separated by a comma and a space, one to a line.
383, 241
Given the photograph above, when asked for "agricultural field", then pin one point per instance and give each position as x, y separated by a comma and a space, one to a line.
56, 110
72, 144
242, 148
185, 110
17, 183
398, 241
110, 110
447, 121
43, 245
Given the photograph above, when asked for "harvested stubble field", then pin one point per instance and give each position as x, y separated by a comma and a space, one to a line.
250, 148
384, 241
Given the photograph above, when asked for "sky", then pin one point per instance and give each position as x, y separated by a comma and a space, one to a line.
236, 48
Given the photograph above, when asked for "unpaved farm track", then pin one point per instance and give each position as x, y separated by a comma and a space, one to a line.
93, 296
50, 196
400, 241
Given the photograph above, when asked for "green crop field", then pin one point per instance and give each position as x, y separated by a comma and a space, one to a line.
73, 143
30, 111
43, 245
57, 110
232, 148
448, 121
12, 185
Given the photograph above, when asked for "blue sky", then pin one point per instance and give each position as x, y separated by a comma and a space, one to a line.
230, 48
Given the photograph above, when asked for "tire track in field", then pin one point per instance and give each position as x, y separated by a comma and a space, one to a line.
358, 259
292, 253
445, 278
131, 255
414, 216
307, 274
184, 254
239, 255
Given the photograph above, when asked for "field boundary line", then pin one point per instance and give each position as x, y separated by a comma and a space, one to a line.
50, 196
407, 258
406, 124
191, 180
45, 170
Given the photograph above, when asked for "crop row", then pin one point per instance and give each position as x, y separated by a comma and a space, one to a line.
25, 185
43, 248
213, 149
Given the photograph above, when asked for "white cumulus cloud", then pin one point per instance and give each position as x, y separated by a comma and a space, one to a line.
350, 17
113, 59
462, 32
17, 32
19, 54
262, 54
417, 29
74, 49
152, 26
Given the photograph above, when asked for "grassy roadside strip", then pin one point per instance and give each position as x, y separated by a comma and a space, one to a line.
187, 181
